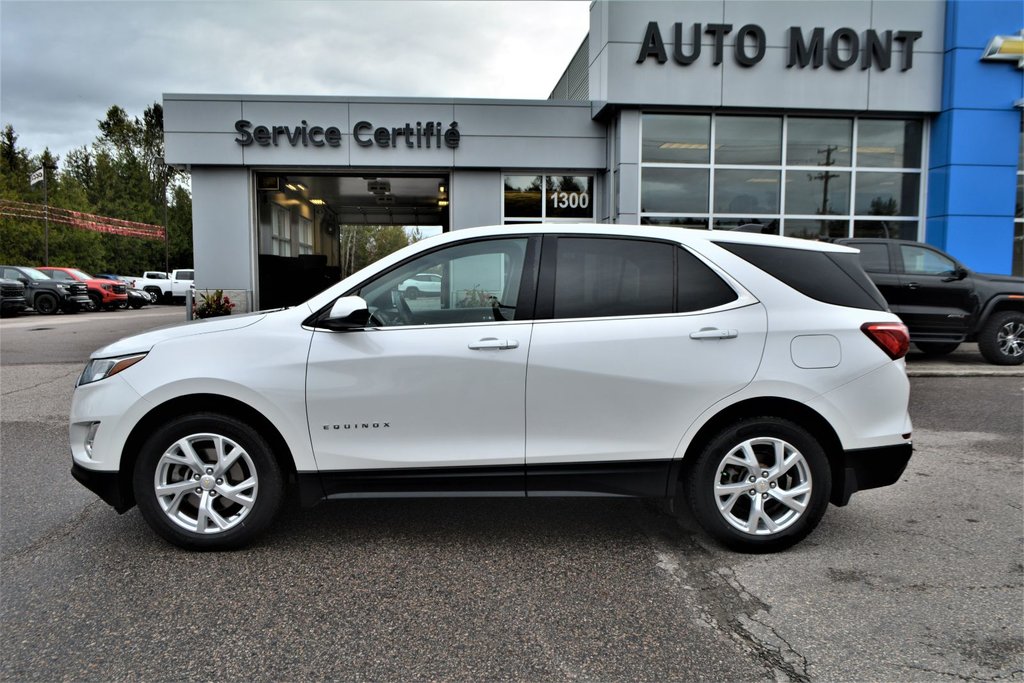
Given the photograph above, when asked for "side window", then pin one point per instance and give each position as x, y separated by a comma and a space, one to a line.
465, 283
921, 261
700, 287
59, 275
874, 258
597, 277
11, 274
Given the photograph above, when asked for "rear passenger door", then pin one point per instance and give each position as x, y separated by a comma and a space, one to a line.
878, 262
635, 339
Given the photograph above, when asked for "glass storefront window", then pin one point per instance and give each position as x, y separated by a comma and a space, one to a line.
811, 229
676, 222
524, 195
824, 192
819, 142
746, 192
569, 196
748, 140
887, 194
885, 143
674, 190
897, 230
825, 181
676, 139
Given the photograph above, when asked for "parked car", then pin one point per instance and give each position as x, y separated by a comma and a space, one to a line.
944, 303
136, 297
12, 297
103, 294
421, 284
46, 295
168, 286
758, 377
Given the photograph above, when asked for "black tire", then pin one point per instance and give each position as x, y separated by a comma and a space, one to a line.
1001, 340
256, 463
411, 293
137, 304
937, 348
156, 291
731, 526
70, 307
95, 302
45, 304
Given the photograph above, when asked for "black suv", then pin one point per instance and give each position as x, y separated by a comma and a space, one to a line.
45, 294
943, 303
12, 297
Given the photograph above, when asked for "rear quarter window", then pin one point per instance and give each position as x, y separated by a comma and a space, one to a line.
830, 277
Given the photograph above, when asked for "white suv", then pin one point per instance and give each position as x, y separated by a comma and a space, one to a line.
757, 377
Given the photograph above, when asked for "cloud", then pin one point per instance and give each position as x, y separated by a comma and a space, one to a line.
63, 64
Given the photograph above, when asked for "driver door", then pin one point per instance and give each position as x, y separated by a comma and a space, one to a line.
434, 383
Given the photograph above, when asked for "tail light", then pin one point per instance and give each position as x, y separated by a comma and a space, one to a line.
893, 338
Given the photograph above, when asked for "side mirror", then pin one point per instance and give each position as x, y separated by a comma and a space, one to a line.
24, 280
958, 273
347, 313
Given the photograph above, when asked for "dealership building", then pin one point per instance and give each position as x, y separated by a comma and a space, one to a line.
809, 119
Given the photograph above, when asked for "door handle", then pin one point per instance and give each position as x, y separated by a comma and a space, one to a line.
490, 343
714, 333
912, 285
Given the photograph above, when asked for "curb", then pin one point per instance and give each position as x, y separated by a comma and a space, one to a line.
966, 361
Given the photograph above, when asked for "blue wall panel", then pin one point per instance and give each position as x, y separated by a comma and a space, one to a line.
983, 244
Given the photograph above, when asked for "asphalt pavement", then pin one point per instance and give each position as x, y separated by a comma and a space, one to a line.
920, 581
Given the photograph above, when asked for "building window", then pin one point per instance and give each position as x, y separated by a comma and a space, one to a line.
281, 231
305, 226
801, 176
552, 198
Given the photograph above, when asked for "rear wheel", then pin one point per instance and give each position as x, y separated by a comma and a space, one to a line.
760, 485
207, 481
1001, 340
937, 348
45, 304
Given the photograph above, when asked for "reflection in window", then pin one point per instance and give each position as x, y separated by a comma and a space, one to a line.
676, 222
821, 192
612, 277
887, 194
524, 195
676, 139
819, 142
889, 143
897, 230
813, 229
465, 283
674, 190
748, 140
921, 261
746, 192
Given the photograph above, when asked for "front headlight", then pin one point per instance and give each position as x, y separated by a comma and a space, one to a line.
101, 368
61, 286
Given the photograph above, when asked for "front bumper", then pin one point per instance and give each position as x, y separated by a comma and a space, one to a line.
868, 468
106, 485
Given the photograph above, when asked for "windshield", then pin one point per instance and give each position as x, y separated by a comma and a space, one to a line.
34, 274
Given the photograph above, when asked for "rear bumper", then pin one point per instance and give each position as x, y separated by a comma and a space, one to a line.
868, 468
106, 485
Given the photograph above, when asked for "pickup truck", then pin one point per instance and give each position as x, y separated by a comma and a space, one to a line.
167, 286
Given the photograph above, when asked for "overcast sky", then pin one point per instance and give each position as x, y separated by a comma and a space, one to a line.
62, 64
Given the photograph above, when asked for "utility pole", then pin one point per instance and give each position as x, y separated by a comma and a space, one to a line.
163, 197
825, 176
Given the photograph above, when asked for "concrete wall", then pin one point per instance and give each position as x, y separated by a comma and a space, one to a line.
223, 232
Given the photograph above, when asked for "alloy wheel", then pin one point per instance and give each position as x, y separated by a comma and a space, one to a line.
206, 483
763, 486
1010, 339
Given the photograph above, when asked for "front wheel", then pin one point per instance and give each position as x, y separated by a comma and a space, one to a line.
1001, 340
45, 304
95, 302
207, 481
760, 485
